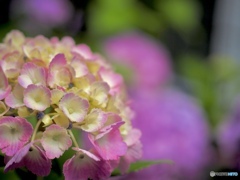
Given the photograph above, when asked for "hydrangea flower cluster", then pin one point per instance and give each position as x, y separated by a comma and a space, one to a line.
65, 86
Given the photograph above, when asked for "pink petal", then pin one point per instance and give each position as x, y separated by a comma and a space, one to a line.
11, 64
16, 160
14, 133
15, 98
84, 51
14, 165
58, 61
133, 153
142, 55
59, 74
68, 41
89, 154
79, 67
114, 80
110, 146
94, 120
133, 136
37, 97
33, 158
99, 92
84, 166
32, 74
55, 141
74, 107
5, 88
37, 162
113, 121
14, 38
56, 95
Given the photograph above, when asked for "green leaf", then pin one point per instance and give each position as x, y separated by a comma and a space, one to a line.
48, 110
144, 164
139, 165
32, 119
10, 175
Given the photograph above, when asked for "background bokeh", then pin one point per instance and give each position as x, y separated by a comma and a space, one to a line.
180, 60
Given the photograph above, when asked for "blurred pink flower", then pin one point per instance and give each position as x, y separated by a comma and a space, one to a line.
41, 14
173, 125
49, 12
174, 128
148, 59
228, 139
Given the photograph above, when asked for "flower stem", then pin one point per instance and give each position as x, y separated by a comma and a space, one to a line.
35, 130
73, 138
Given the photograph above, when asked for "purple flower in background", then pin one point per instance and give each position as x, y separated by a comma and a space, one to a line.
41, 15
147, 58
173, 127
228, 138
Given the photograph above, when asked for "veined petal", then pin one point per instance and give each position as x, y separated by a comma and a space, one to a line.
74, 107
61, 119
15, 98
32, 74
37, 162
134, 151
88, 153
133, 154
94, 120
55, 141
57, 62
84, 51
99, 92
84, 83
110, 146
16, 160
14, 133
59, 74
31, 51
68, 41
56, 95
114, 80
113, 121
133, 136
14, 38
47, 120
11, 64
37, 97
33, 158
85, 165
5, 88
24, 111
79, 67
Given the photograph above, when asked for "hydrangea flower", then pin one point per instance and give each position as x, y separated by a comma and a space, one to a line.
172, 124
63, 87
228, 139
149, 60
178, 131
41, 15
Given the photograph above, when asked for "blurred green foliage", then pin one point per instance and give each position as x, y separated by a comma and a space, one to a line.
215, 83
183, 15
109, 17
